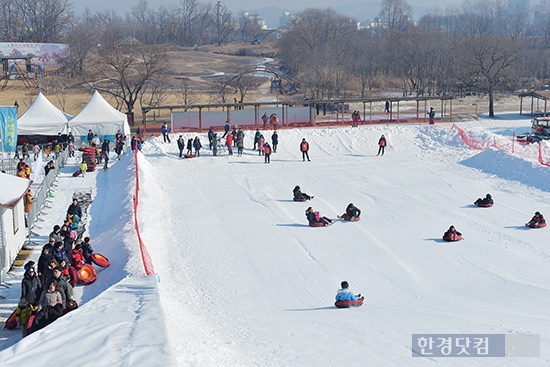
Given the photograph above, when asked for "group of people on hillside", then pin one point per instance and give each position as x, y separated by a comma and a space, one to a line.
451, 235
47, 286
352, 213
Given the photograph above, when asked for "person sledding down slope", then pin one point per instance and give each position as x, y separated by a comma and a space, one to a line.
452, 235
346, 298
352, 213
315, 219
486, 202
299, 195
537, 221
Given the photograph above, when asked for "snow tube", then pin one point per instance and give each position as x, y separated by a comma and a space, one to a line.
449, 239
532, 225
86, 275
484, 205
348, 304
299, 199
100, 260
348, 218
72, 275
77, 173
317, 224
189, 156
11, 322
29, 324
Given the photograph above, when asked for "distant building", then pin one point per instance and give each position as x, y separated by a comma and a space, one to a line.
285, 19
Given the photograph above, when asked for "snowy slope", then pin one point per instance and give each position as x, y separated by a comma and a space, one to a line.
245, 282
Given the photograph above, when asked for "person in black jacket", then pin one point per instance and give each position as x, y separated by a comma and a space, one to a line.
351, 213
31, 286
46, 316
315, 217
275, 141
181, 145
488, 200
298, 194
87, 250
197, 145
190, 146
75, 209
210, 137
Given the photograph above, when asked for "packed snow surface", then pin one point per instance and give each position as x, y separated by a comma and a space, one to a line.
242, 280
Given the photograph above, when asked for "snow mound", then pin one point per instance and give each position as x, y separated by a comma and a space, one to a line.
508, 167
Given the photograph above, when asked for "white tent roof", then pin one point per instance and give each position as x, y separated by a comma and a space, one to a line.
13, 189
100, 117
42, 118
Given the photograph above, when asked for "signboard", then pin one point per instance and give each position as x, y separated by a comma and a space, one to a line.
8, 128
46, 53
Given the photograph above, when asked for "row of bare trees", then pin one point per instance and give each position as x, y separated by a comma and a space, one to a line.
334, 59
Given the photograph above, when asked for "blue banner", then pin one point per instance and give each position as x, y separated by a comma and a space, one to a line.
8, 127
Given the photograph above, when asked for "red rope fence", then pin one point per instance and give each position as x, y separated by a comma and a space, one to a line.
507, 144
147, 262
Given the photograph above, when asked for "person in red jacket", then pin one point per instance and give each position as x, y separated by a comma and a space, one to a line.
381, 144
452, 234
229, 143
304, 148
537, 221
77, 257
267, 152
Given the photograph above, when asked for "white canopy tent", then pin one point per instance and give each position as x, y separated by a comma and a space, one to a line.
42, 118
100, 117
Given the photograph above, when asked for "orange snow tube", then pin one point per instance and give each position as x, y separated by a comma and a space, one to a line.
86, 275
100, 260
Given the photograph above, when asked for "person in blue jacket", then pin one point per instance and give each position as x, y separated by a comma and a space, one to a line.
345, 294
75, 209
59, 254
165, 130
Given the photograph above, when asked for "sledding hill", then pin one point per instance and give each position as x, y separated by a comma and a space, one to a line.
244, 281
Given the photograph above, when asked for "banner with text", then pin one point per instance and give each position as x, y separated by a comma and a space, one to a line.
8, 127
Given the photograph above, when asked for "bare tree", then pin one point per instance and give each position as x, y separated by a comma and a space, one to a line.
43, 20
127, 71
486, 63
243, 83
396, 15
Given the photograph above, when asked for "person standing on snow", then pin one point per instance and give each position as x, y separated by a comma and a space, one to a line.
304, 148
181, 145
275, 141
229, 143
381, 144
431, 114
165, 130
197, 145
257, 138
267, 153
344, 294
226, 129
190, 146
210, 137
261, 145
